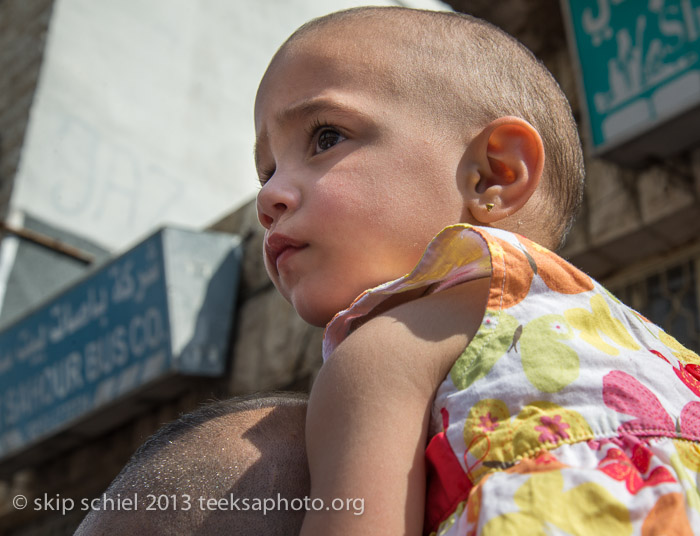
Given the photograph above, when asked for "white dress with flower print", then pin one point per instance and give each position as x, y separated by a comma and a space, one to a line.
568, 412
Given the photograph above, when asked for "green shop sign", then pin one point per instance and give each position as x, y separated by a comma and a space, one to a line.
639, 67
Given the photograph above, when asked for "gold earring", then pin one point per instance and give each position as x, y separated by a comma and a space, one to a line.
489, 207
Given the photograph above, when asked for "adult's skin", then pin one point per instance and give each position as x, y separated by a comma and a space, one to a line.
198, 465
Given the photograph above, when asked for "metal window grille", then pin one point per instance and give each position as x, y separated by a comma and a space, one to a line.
667, 292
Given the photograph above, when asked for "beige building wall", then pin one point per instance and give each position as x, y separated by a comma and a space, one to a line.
23, 27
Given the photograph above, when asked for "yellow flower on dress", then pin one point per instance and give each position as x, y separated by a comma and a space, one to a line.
678, 350
492, 436
543, 504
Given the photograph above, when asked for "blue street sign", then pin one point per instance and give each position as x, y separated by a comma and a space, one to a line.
164, 307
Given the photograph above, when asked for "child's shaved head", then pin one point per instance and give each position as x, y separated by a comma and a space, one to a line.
465, 73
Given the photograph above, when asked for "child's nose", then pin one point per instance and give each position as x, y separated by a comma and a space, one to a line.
275, 199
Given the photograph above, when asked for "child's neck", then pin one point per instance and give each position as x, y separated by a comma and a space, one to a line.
392, 301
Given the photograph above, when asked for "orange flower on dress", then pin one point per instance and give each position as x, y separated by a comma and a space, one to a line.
668, 516
517, 266
558, 275
543, 462
511, 267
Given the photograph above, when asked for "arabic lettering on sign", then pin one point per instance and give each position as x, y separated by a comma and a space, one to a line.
97, 358
54, 361
636, 51
68, 318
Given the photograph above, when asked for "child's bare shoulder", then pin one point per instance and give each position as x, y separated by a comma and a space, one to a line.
419, 339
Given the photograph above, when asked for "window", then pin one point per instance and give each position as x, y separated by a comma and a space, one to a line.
667, 292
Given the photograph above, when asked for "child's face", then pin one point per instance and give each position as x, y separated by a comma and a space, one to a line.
357, 178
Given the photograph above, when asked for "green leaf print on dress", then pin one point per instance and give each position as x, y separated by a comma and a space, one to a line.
495, 337
550, 365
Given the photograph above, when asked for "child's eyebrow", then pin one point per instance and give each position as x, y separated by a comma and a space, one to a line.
314, 106
305, 108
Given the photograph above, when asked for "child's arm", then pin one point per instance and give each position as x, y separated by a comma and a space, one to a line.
370, 407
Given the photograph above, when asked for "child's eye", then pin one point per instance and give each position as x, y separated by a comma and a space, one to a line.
265, 175
327, 138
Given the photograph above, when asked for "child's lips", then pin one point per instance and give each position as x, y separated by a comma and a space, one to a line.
279, 247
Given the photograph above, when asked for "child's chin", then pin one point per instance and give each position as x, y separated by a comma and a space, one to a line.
315, 316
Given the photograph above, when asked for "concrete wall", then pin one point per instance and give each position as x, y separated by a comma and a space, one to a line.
633, 215
23, 27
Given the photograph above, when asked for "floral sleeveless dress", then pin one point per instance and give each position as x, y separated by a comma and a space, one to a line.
567, 413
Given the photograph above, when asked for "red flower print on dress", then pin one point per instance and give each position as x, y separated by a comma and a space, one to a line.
688, 373
553, 430
627, 395
633, 471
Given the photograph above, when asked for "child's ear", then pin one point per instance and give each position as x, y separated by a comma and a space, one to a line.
508, 159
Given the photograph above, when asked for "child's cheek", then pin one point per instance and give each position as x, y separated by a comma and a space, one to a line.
336, 206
